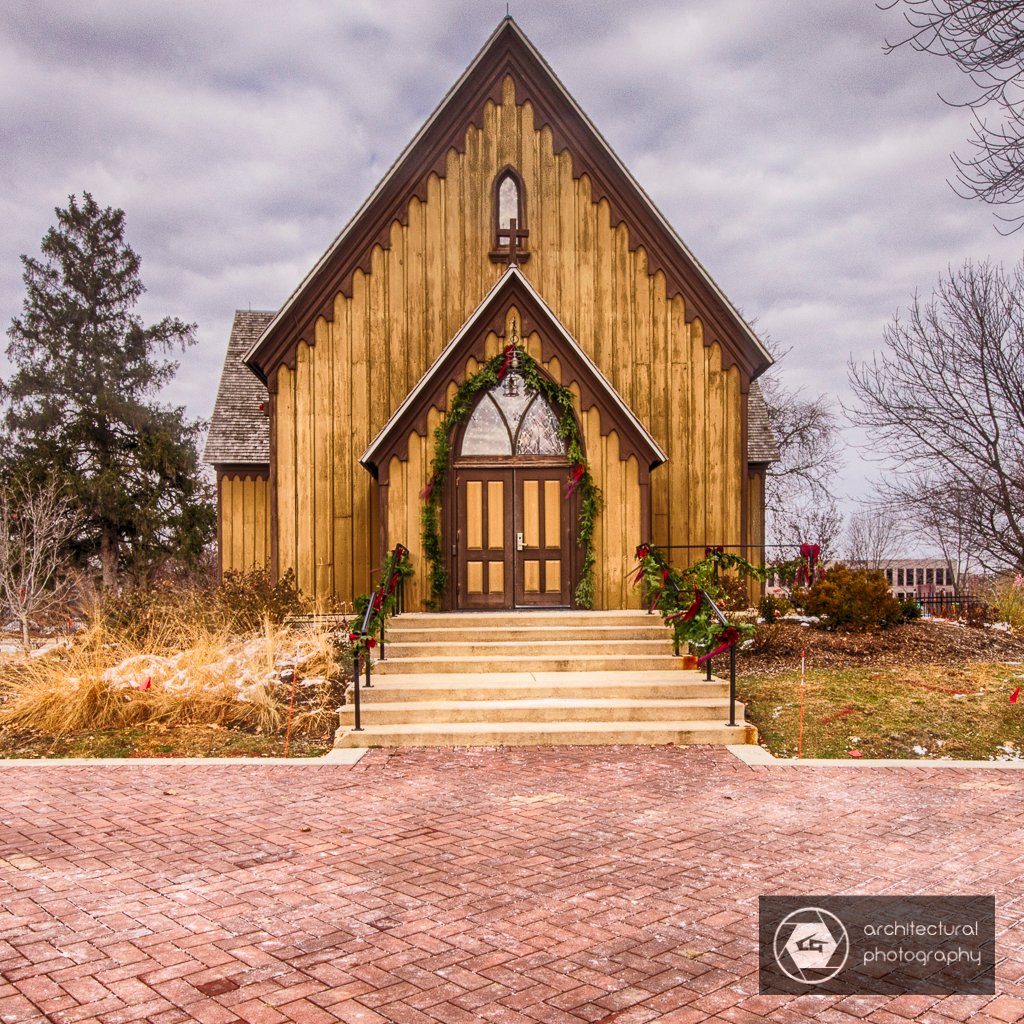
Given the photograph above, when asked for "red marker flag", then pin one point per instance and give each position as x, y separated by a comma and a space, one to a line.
146, 685
1015, 696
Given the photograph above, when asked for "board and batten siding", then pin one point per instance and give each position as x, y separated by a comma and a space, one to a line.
355, 370
244, 517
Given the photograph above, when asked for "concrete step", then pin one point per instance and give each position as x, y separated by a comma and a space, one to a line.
563, 648
518, 734
457, 663
635, 685
409, 634
542, 709
519, 618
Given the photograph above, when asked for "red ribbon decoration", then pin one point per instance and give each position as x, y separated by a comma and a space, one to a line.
577, 476
810, 553
726, 639
429, 489
717, 550
642, 551
509, 353
691, 611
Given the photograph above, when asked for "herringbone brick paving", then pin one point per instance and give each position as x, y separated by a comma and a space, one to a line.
509, 886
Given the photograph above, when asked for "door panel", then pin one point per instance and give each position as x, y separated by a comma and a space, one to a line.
484, 538
542, 538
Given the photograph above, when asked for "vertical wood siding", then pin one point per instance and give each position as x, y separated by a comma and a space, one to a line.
357, 368
245, 523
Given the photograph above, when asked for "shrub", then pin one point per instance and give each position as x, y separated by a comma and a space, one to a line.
240, 604
246, 599
773, 606
911, 610
1006, 596
854, 599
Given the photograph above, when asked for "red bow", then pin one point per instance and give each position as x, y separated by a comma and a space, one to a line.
642, 551
577, 476
725, 640
691, 611
429, 489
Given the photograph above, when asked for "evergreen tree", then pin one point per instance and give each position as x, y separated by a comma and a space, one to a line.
82, 401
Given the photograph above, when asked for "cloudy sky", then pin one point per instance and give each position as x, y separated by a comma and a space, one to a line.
804, 167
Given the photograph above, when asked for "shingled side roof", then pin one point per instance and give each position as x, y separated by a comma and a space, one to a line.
239, 433
761, 444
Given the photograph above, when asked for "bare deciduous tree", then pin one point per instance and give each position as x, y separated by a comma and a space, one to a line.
36, 523
944, 515
985, 39
874, 537
812, 522
945, 398
806, 431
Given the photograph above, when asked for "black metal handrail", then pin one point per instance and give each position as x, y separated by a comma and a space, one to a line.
716, 611
392, 583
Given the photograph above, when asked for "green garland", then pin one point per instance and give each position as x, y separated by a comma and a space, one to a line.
561, 400
399, 563
674, 593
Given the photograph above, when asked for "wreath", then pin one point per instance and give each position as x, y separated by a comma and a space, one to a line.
580, 481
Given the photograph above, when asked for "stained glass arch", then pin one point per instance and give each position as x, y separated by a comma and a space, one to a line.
511, 420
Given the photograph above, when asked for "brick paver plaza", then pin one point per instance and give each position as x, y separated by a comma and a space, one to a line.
558, 885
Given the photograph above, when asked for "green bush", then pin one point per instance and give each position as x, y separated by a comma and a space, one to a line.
853, 599
772, 606
911, 610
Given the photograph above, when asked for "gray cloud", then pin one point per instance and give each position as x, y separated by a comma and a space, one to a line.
804, 167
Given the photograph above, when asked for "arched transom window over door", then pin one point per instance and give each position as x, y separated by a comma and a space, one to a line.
513, 540
510, 420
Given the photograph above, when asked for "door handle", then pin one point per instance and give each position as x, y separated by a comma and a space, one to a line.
519, 542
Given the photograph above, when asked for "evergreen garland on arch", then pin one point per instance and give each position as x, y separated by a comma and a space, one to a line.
561, 401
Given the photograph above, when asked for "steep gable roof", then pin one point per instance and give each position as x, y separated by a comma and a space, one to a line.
509, 53
512, 289
239, 433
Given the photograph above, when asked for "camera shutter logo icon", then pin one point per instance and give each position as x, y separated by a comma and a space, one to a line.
811, 945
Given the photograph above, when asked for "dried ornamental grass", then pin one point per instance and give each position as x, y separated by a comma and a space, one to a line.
211, 679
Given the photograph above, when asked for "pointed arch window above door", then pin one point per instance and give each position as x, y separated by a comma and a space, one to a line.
509, 420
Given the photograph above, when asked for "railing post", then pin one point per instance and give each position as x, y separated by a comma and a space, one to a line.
707, 665
368, 660
732, 685
382, 638
355, 691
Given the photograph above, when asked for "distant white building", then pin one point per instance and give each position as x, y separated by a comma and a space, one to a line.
918, 577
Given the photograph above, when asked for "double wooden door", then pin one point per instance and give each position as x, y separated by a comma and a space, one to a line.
512, 538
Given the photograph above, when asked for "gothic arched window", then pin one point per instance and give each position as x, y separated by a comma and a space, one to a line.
509, 420
509, 217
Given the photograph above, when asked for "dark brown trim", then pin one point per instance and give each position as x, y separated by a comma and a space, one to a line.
594, 389
744, 461
272, 485
645, 505
508, 55
241, 470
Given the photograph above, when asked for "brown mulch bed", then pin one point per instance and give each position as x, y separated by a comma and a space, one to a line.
777, 648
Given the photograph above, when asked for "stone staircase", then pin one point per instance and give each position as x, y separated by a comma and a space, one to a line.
528, 678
